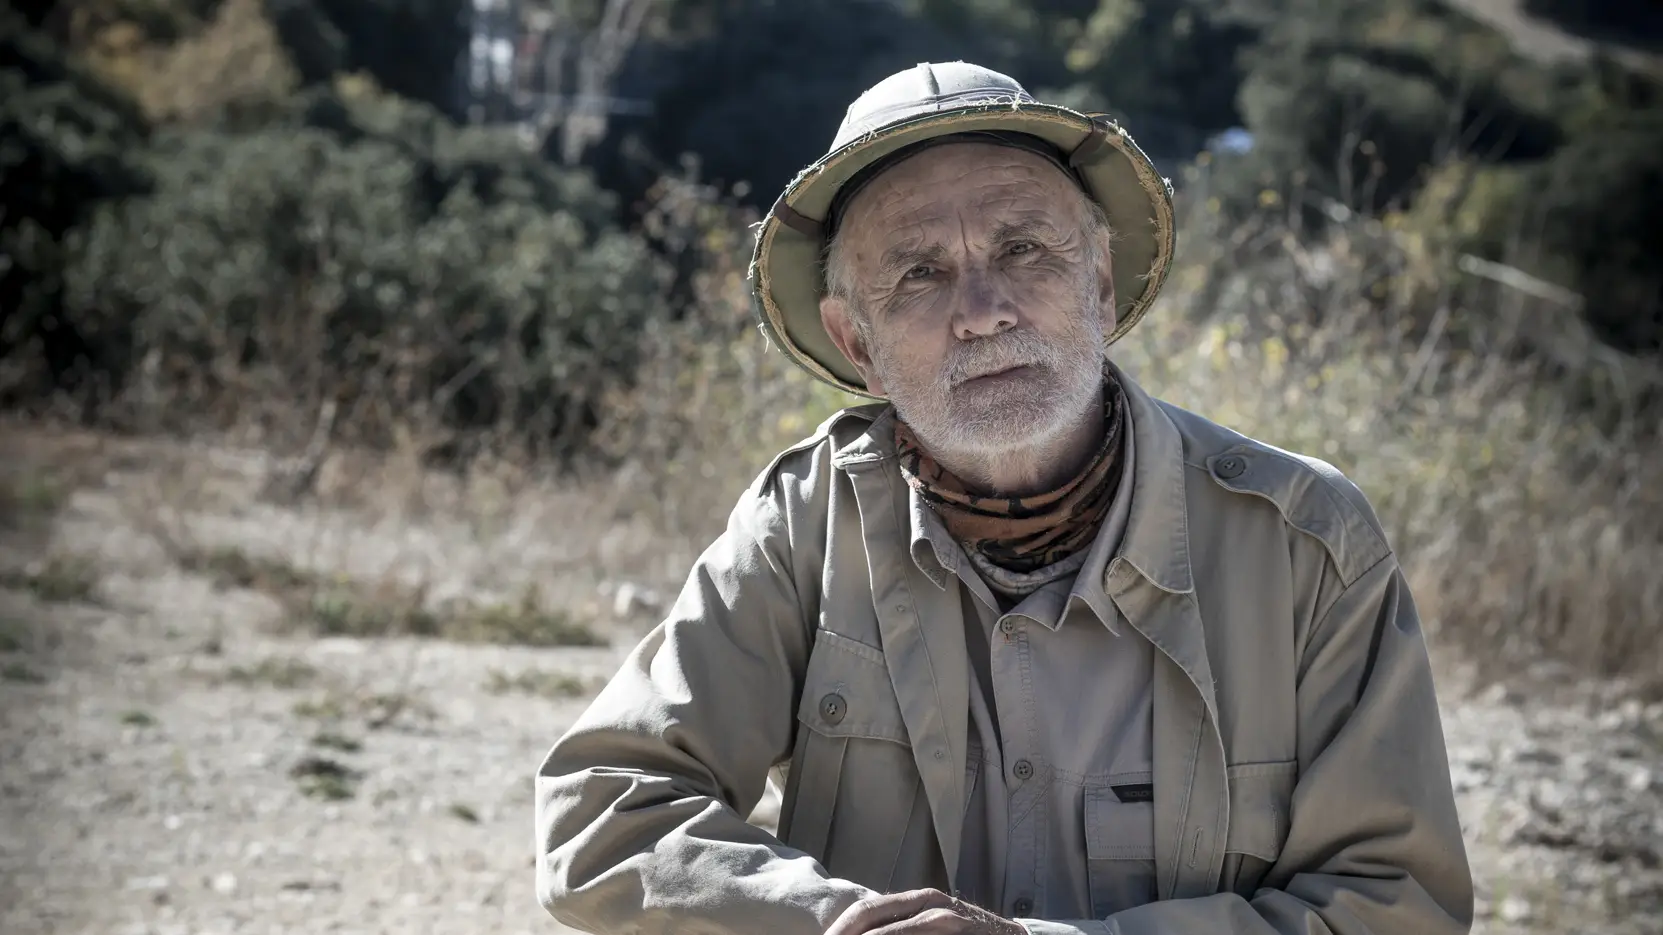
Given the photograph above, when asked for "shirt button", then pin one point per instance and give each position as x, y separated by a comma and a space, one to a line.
1230, 467
1022, 906
832, 708
1023, 769
1008, 626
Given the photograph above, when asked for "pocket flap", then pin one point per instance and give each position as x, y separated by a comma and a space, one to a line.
1260, 796
1117, 830
847, 692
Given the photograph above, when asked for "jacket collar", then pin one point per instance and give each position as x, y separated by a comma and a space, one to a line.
877, 444
1157, 533
1156, 540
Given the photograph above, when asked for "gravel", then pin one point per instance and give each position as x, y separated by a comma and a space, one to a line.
150, 785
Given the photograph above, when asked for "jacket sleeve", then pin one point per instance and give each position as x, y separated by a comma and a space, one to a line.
1374, 845
641, 805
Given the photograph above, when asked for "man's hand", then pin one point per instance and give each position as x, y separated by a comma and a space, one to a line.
920, 912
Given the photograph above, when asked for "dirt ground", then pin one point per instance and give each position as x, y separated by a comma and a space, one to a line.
178, 756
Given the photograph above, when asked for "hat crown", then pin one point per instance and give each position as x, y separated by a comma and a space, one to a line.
925, 88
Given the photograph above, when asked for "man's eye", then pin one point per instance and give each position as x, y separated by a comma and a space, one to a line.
1021, 247
920, 272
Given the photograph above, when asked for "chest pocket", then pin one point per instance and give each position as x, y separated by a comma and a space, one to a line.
854, 792
1260, 797
1120, 847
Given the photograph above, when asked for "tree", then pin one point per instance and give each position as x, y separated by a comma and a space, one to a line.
67, 145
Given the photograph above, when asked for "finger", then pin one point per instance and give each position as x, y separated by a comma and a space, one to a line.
930, 922
873, 913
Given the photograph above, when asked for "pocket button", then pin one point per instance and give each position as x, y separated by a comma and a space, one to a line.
833, 707
1023, 769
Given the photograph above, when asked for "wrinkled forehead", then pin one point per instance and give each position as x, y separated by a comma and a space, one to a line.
964, 192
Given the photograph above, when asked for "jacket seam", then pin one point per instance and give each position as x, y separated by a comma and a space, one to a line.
1337, 501
1345, 589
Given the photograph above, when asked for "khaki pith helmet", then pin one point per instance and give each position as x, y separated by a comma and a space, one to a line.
925, 103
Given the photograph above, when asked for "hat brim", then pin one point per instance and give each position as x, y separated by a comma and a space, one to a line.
786, 277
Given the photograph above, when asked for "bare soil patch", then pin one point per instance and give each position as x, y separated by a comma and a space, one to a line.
187, 745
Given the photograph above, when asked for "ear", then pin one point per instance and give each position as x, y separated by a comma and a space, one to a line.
835, 316
1106, 306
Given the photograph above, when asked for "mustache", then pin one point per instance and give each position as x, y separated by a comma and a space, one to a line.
1003, 352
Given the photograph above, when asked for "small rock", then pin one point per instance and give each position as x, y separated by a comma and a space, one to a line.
630, 598
147, 883
172, 822
1465, 777
1536, 754
1496, 695
1513, 909
225, 883
1640, 780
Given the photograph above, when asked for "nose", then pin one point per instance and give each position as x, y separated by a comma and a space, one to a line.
982, 313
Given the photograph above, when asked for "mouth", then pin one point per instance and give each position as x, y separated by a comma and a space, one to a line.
995, 376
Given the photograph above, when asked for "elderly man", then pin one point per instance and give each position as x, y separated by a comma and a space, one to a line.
1033, 651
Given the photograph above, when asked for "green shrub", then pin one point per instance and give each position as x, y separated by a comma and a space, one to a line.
67, 144
392, 259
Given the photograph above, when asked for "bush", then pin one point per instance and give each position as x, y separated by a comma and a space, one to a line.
1600, 200
411, 47
67, 144
1352, 103
399, 261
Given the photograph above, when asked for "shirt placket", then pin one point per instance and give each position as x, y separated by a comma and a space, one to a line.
1025, 766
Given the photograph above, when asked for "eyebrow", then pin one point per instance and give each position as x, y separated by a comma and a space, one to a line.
1026, 229
901, 258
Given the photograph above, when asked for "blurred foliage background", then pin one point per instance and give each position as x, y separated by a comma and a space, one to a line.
1415, 243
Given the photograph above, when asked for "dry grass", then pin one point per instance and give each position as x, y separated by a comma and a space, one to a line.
338, 605
323, 778
21, 672
333, 740
278, 672
26, 497
376, 710
539, 682
58, 579
13, 635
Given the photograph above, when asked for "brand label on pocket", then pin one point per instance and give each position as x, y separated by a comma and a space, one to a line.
1135, 792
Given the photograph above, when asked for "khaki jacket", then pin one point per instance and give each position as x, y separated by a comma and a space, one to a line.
1300, 773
